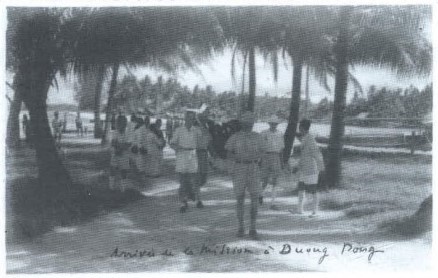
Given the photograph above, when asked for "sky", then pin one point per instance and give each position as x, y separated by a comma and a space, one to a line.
217, 73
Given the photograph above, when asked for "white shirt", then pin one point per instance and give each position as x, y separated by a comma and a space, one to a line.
311, 161
274, 141
186, 160
186, 138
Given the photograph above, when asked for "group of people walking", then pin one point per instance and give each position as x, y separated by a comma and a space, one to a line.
136, 146
256, 160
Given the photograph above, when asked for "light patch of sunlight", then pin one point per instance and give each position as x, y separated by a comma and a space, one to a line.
88, 140
220, 183
43, 270
306, 216
65, 230
187, 229
119, 219
50, 255
218, 202
12, 264
164, 188
132, 231
284, 200
18, 253
160, 193
210, 188
274, 212
307, 232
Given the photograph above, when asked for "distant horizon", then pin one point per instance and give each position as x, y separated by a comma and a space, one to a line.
367, 79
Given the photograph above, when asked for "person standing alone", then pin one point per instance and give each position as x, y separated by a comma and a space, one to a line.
78, 122
246, 148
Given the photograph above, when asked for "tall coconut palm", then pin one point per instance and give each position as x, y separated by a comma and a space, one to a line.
159, 37
88, 95
97, 100
303, 35
300, 34
46, 42
242, 30
36, 49
13, 124
388, 37
307, 98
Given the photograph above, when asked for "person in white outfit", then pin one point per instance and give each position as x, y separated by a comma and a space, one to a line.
185, 141
271, 162
309, 167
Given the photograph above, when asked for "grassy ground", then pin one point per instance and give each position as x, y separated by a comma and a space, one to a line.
372, 208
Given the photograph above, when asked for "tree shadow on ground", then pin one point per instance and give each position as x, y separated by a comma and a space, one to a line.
155, 222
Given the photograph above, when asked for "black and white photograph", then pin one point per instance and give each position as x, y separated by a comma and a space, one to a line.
154, 136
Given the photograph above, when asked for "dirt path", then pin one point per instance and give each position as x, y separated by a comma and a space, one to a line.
204, 240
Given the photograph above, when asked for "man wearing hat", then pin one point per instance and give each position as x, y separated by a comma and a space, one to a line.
245, 148
271, 164
185, 141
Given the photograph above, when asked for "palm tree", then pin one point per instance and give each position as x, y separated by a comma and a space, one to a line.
151, 36
307, 99
35, 48
299, 33
88, 95
45, 42
388, 37
13, 124
97, 100
242, 29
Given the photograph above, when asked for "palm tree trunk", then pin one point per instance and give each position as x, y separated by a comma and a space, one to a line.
109, 106
335, 145
294, 112
252, 80
53, 177
97, 97
13, 125
306, 103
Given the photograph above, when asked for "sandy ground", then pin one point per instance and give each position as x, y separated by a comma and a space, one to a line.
151, 234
